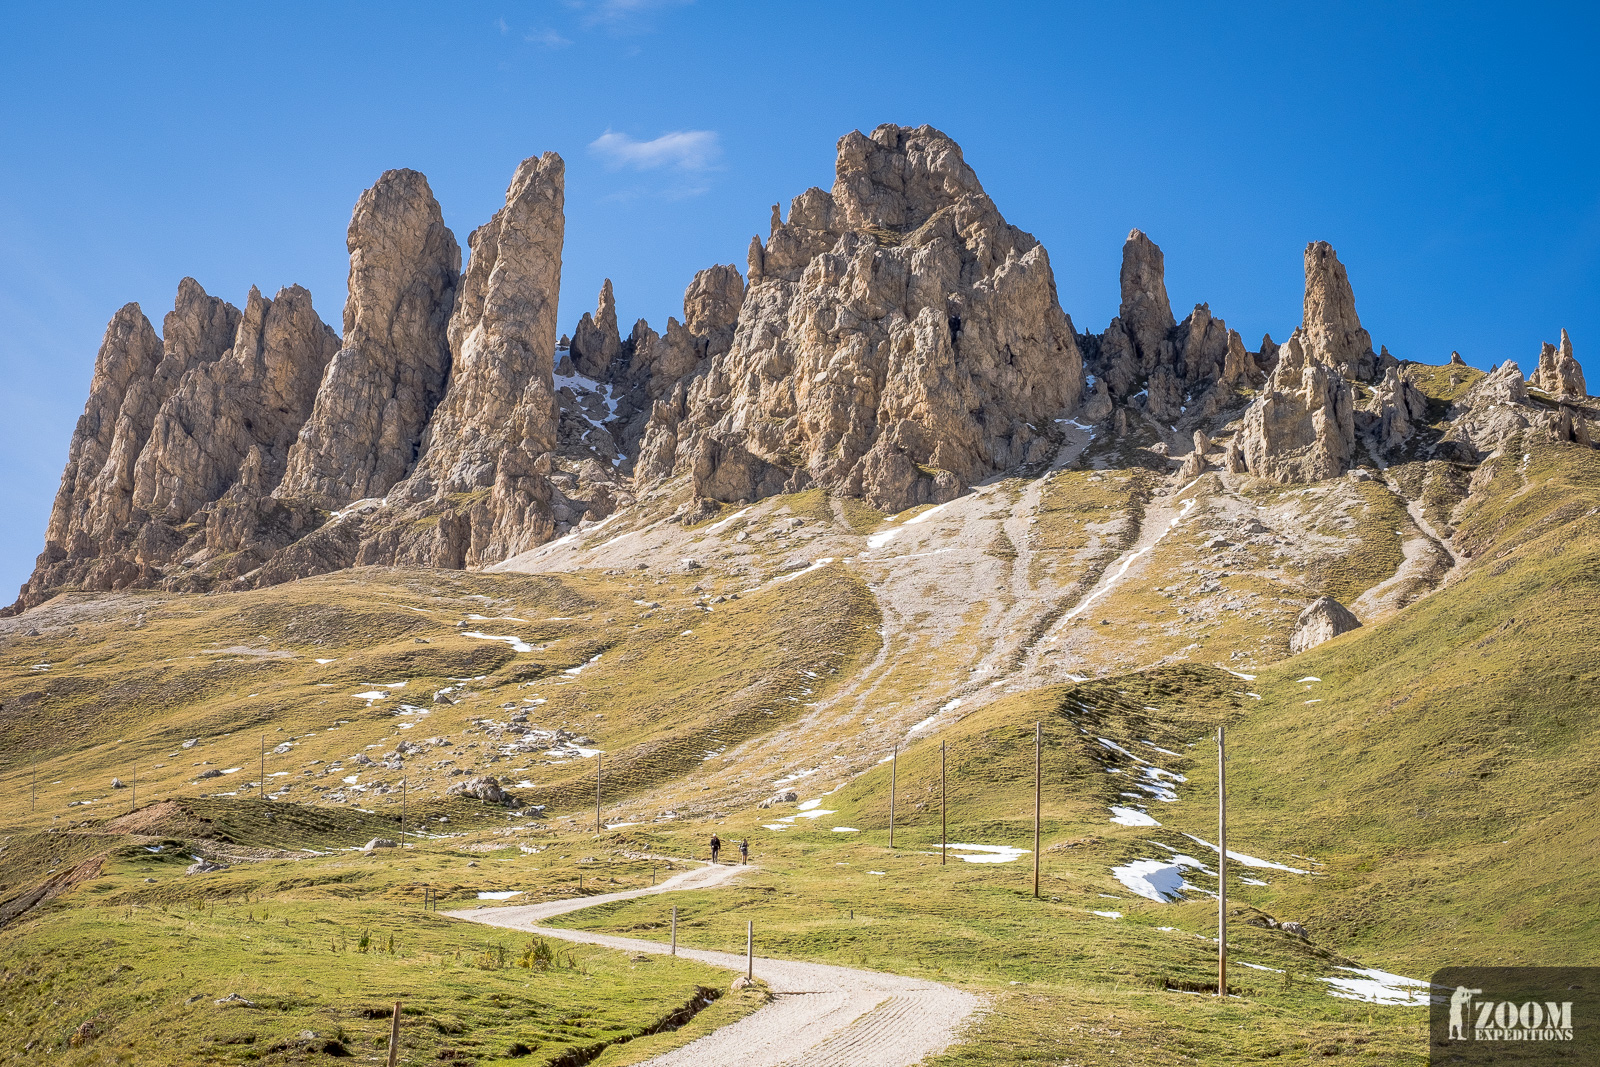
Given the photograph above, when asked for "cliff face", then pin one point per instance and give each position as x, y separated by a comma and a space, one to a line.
898, 340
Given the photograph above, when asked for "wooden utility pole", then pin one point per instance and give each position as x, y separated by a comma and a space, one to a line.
944, 823
263, 783
133, 774
1222, 865
1038, 740
402, 809
394, 1035
598, 758
674, 929
894, 780
750, 949
33, 798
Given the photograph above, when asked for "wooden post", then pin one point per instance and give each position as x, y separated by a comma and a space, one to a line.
598, 757
394, 1035
134, 774
263, 784
894, 779
402, 810
750, 949
1221, 864
674, 929
944, 824
1038, 740
33, 798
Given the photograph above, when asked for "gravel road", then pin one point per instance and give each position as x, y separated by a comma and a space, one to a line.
820, 1015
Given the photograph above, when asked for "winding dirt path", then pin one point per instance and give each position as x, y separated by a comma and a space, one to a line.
820, 1015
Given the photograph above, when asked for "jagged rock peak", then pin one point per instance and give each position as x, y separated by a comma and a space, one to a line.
1302, 426
390, 371
897, 340
1331, 330
711, 305
1145, 309
596, 342
1559, 373
497, 422
1396, 408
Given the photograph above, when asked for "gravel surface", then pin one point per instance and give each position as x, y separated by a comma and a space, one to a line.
820, 1015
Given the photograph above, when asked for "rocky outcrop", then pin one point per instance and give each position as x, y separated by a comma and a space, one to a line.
1167, 367
898, 340
1394, 411
1302, 427
1489, 413
1330, 330
389, 374
1323, 620
481, 492
596, 343
1559, 373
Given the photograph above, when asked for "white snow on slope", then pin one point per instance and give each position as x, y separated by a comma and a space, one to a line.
516, 643
1248, 861
1378, 987
1131, 817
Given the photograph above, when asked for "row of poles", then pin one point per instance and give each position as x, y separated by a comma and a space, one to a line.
1038, 797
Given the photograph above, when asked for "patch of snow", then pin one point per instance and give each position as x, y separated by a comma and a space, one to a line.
1131, 817
807, 805
494, 618
1308, 678
507, 895
1158, 748
1257, 966
990, 853
371, 695
720, 523
1378, 987
325, 661
1248, 861
1107, 584
845, 830
573, 672
1108, 914
1158, 880
1246, 677
823, 562
1253, 881
517, 643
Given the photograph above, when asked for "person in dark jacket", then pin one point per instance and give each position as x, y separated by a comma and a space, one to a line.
716, 848
744, 850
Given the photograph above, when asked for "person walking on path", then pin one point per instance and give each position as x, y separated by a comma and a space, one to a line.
744, 850
716, 848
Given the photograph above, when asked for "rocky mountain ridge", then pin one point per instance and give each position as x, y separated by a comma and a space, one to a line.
895, 340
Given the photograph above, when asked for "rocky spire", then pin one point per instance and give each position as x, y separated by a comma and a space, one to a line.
258, 395
1145, 312
497, 422
1302, 427
596, 342
898, 340
1559, 373
389, 373
1331, 331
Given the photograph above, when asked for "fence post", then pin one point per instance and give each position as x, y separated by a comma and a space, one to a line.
944, 824
750, 949
894, 779
394, 1035
1222, 866
1038, 778
263, 785
674, 929
599, 759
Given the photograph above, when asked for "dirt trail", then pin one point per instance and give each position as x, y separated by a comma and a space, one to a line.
820, 1015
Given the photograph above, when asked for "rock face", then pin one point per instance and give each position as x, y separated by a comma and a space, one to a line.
1323, 620
596, 342
389, 374
1559, 373
1331, 331
1397, 407
898, 340
484, 468
1302, 427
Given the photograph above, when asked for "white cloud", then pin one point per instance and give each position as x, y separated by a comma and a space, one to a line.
548, 38
619, 10
681, 150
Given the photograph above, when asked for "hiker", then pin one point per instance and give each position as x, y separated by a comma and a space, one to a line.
744, 851
716, 847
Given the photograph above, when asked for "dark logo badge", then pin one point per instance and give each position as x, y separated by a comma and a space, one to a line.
1515, 1015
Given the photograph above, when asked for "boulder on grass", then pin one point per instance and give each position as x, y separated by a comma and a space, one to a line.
1323, 620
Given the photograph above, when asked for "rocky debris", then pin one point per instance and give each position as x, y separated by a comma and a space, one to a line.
1322, 620
1292, 927
390, 370
1489, 413
1195, 463
1559, 373
234, 999
1331, 331
786, 796
483, 787
1395, 409
481, 490
897, 341
379, 842
212, 773
118, 783
1302, 426
204, 866
596, 342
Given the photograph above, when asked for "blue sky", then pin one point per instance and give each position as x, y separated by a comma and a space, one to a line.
1448, 152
